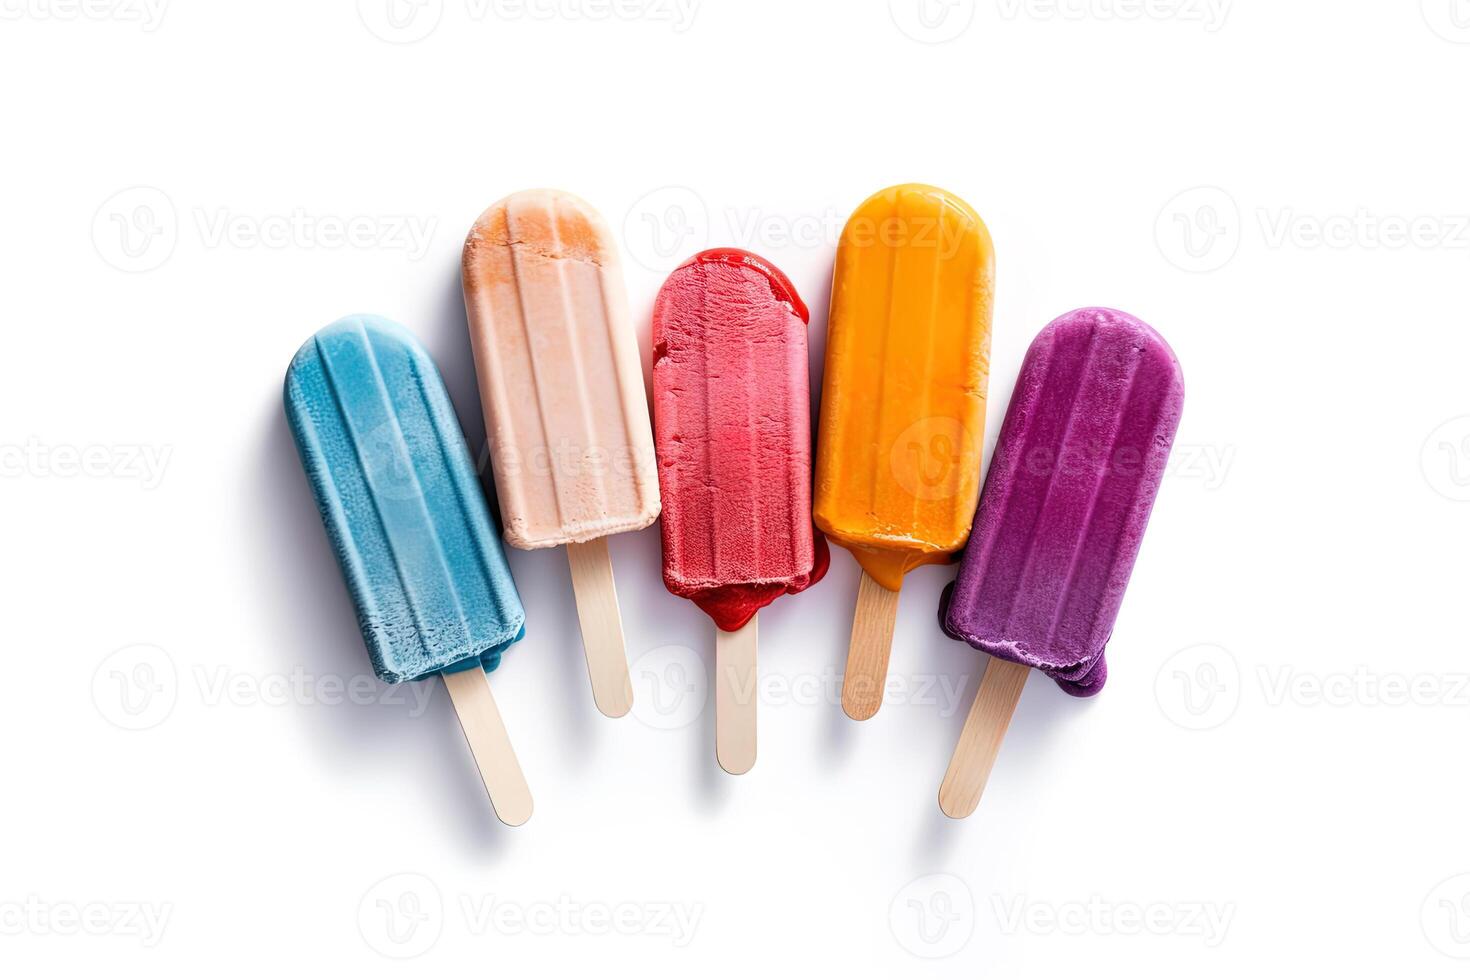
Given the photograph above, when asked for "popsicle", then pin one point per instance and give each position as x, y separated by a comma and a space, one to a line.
732, 423
903, 404
1081, 453
565, 410
387, 462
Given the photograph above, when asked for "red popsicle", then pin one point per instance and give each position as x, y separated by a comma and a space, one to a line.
732, 424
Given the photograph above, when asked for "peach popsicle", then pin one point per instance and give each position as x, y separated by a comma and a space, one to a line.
903, 403
565, 411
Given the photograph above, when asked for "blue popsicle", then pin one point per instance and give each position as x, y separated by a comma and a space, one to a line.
397, 491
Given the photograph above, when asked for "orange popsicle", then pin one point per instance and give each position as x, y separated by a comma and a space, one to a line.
903, 403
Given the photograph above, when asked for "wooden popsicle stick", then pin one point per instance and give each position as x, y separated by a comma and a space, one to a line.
735, 698
602, 626
490, 745
868, 649
979, 744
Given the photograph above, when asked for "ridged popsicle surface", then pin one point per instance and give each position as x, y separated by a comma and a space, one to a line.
403, 510
903, 399
559, 373
1081, 454
733, 429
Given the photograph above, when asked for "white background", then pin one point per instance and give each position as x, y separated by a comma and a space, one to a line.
1274, 775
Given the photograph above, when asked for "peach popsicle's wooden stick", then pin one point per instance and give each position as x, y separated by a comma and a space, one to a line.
602, 626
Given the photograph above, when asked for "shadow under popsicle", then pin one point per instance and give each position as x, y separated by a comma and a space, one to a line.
841, 583
1031, 739
320, 635
715, 784
542, 577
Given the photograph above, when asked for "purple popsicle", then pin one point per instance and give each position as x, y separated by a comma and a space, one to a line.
1081, 454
